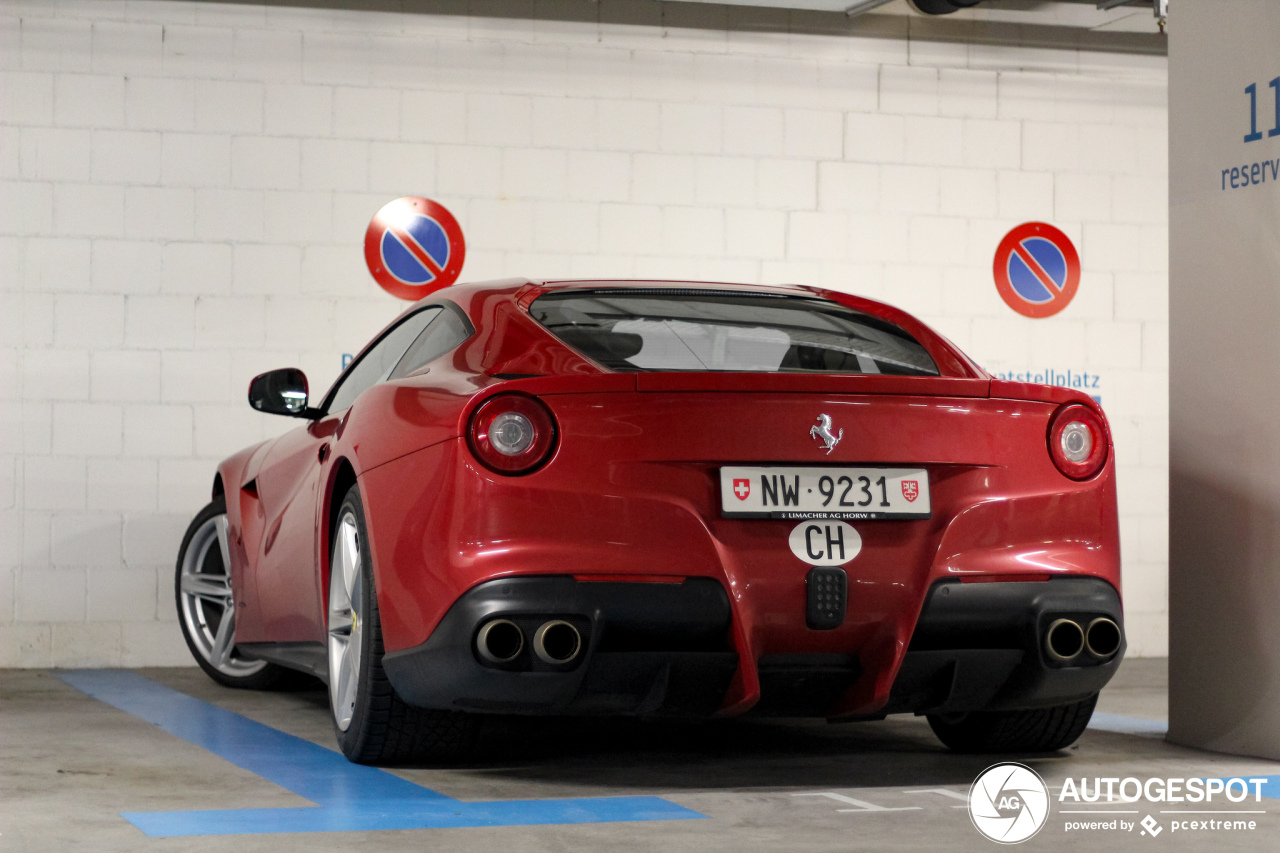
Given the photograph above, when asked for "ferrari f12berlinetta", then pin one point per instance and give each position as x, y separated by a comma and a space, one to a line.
664, 499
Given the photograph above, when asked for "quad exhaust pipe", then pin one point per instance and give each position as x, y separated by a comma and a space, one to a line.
500, 641
556, 642
1066, 639
1102, 637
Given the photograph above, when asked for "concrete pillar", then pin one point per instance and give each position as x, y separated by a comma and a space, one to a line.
1224, 300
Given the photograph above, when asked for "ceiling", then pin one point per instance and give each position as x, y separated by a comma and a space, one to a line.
1133, 16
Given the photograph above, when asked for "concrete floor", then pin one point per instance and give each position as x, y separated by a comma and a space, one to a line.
70, 765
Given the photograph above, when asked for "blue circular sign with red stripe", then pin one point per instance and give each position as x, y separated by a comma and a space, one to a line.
1037, 270
414, 247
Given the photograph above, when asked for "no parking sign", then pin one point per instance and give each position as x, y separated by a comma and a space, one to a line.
1037, 270
414, 247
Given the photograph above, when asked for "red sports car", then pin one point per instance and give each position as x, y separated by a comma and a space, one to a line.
664, 499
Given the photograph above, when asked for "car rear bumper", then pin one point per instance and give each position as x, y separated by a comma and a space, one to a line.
981, 646
654, 649
668, 649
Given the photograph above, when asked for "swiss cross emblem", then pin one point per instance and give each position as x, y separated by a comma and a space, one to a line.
742, 488
910, 489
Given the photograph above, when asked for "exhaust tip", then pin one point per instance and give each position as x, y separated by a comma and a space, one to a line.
557, 642
1102, 637
1064, 640
500, 641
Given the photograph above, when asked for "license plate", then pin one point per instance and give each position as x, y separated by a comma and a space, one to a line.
844, 493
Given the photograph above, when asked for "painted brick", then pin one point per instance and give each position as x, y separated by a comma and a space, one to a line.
628, 125
121, 485
151, 540
787, 184
121, 595
196, 268
229, 321
297, 110
692, 231
195, 160
335, 164
91, 210
56, 44
934, 141
28, 98
755, 131
909, 90
159, 212
266, 268
226, 214
693, 129
564, 122
126, 157
160, 322
50, 595
534, 173
875, 138
88, 100
152, 431
499, 119
198, 51
86, 321
127, 47
86, 539
630, 228
49, 374
52, 154
53, 483
159, 103
366, 113
28, 207
992, 144
264, 162
727, 181
817, 134
124, 376
57, 264
224, 106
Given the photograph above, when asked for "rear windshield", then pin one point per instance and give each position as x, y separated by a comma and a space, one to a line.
667, 330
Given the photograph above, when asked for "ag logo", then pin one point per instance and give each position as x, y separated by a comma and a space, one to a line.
1008, 803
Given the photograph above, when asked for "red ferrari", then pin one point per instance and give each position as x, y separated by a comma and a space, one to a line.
664, 499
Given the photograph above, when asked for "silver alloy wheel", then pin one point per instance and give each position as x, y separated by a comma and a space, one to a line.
208, 608
346, 615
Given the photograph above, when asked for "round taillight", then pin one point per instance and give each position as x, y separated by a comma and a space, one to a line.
1078, 441
512, 433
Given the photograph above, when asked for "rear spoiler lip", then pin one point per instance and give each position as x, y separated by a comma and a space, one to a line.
742, 383
1003, 389
813, 383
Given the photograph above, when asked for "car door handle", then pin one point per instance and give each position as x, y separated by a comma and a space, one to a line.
324, 451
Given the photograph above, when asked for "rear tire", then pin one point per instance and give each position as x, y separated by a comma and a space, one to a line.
1035, 730
372, 723
206, 608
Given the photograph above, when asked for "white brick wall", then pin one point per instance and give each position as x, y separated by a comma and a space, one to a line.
184, 190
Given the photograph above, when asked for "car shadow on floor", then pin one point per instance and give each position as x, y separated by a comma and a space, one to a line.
723, 754
627, 754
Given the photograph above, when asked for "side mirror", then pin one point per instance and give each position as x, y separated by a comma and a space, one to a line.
281, 392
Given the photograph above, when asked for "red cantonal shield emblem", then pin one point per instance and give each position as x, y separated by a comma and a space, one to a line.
742, 488
910, 489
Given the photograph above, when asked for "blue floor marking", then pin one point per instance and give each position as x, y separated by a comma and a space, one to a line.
349, 797
1101, 721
